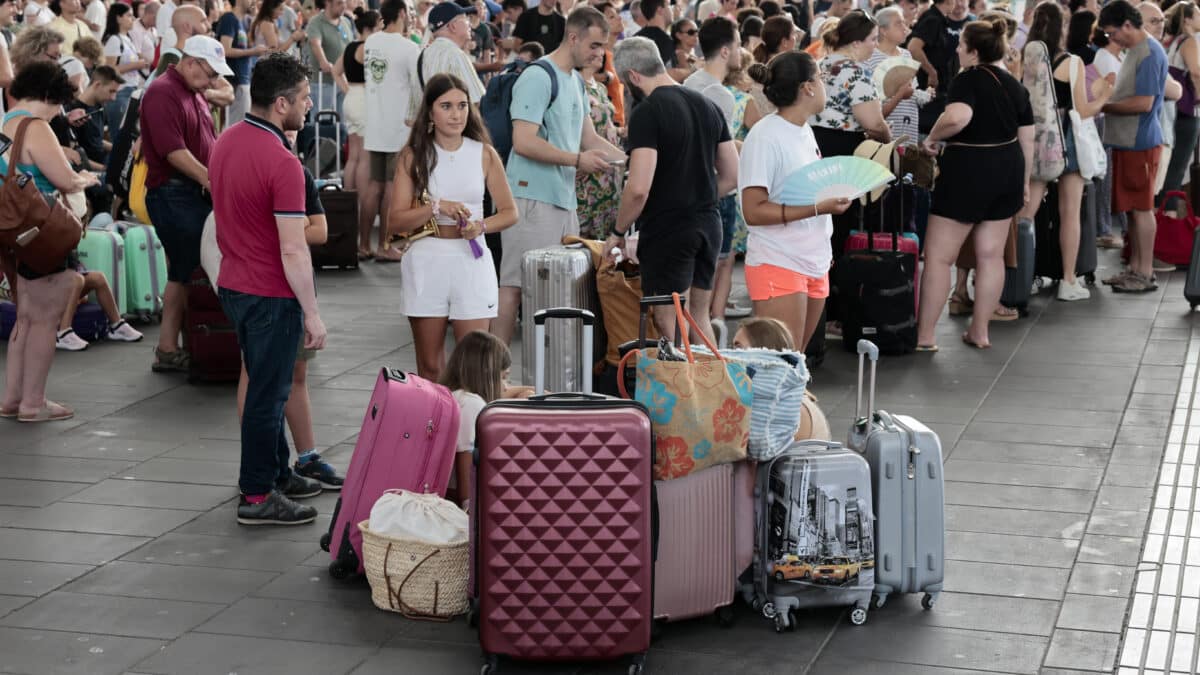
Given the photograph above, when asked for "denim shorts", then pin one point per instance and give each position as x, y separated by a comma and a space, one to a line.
178, 209
728, 207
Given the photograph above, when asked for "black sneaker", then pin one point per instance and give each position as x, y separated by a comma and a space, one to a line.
320, 471
299, 487
276, 510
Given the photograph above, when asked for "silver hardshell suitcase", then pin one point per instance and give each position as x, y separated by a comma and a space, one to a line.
814, 541
560, 276
906, 473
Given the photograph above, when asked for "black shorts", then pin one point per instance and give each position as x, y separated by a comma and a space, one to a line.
979, 184
675, 259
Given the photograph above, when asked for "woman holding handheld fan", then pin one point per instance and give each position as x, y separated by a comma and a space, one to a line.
987, 130
788, 252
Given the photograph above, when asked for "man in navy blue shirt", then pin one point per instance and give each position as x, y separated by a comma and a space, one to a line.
232, 32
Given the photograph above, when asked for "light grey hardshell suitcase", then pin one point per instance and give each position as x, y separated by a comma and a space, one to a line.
906, 473
814, 538
560, 276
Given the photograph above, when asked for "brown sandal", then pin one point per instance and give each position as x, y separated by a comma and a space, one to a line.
960, 307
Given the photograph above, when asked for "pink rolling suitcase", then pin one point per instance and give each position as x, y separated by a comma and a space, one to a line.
562, 534
696, 570
407, 442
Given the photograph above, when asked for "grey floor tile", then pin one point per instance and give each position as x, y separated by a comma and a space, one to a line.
841, 665
1085, 650
35, 492
1040, 434
1033, 475
1014, 521
312, 584
8, 603
1011, 549
170, 470
1072, 401
1096, 548
155, 495
20, 577
1137, 454
1122, 498
93, 447
1131, 475
170, 582
1029, 453
67, 469
1017, 581
208, 449
128, 617
44, 652
204, 654
362, 625
1151, 401
1119, 523
1093, 613
1007, 414
206, 551
100, 519
1143, 417
1129, 434
1106, 580
992, 613
944, 647
1019, 497
9, 513
65, 547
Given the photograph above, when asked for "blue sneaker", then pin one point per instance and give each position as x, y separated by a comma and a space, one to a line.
320, 471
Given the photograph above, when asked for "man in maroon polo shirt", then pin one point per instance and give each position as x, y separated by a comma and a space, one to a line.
266, 281
177, 137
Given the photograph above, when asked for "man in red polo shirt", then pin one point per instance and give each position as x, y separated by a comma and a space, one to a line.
177, 137
266, 281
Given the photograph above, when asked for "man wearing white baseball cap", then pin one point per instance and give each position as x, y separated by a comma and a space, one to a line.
177, 138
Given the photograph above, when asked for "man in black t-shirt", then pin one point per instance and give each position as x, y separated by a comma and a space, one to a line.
90, 132
933, 43
681, 159
542, 24
658, 18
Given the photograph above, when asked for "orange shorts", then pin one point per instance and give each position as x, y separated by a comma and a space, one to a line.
1134, 172
768, 281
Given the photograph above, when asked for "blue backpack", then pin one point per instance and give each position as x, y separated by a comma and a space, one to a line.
497, 102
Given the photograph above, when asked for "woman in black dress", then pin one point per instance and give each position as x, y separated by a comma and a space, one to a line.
987, 131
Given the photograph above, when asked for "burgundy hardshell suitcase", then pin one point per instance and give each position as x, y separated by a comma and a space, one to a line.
209, 335
407, 442
563, 536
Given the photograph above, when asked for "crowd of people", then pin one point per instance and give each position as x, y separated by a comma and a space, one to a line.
683, 120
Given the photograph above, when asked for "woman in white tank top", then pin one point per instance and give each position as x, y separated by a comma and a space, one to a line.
448, 277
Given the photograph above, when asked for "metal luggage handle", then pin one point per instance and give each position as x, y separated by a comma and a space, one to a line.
539, 347
866, 350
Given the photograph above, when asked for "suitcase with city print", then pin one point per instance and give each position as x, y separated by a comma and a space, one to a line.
814, 534
562, 537
145, 272
559, 276
905, 457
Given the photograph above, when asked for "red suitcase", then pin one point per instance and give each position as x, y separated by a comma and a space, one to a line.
562, 534
209, 335
406, 442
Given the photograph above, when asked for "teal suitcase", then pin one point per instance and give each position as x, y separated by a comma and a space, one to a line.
145, 272
104, 251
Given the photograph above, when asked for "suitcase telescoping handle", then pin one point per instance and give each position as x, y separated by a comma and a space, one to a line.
539, 343
657, 301
866, 350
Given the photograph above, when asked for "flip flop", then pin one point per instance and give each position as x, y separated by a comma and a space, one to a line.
390, 255
1001, 315
46, 414
960, 307
971, 343
927, 349
10, 413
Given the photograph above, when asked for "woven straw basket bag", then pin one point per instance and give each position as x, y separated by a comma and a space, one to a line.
418, 580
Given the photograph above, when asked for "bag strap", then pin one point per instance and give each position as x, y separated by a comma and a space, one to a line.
1181, 195
684, 319
14, 153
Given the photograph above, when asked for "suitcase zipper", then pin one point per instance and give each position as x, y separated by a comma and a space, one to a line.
431, 425
913, 451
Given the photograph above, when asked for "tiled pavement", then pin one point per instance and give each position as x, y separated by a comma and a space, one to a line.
119, 552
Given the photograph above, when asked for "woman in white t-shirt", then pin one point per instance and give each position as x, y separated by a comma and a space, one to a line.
120, 53
788, 251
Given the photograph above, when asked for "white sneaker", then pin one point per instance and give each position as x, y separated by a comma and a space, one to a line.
722, 333
1160, 266
123, 332
1070, 292
69, 341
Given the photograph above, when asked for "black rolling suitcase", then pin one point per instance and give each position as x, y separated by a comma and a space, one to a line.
1048, 256
1018, 281
340, 249
878, 298
1191, 289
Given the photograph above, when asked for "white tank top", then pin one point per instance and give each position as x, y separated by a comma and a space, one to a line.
458, 177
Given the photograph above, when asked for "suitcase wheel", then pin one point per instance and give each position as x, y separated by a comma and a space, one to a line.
880, 600
340, 569
725, 616
1090, 278
858, 616
472, 613
768, 610
325, 540
928, 601
492, 666
784, 621
638, 666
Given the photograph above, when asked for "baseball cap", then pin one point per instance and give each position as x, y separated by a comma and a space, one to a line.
208, 50
445, 12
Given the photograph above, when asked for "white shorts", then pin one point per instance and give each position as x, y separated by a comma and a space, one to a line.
355, 109
440, 277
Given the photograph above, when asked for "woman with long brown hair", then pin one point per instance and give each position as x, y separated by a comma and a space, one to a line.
778, 36
447, 277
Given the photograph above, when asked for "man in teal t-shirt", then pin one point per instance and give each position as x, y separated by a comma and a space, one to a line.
551, 141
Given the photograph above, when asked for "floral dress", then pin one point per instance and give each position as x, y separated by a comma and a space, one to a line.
597, 192
740, 100
848, 84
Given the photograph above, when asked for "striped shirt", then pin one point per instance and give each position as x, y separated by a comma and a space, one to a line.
903, 120
443, 56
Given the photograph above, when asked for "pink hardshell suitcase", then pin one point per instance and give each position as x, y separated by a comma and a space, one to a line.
696, 570
562, 534
407, 442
